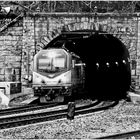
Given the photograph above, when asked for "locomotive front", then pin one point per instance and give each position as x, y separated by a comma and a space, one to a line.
51, 73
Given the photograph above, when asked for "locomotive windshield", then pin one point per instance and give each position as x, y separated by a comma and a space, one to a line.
52, 61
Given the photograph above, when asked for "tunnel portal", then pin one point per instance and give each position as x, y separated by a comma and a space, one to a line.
108, 74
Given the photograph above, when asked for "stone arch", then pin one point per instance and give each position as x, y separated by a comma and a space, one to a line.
124, 33
45, 40
119, 30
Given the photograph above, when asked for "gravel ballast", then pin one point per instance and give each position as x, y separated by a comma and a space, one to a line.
122, 118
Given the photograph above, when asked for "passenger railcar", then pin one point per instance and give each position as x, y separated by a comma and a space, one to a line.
57, 73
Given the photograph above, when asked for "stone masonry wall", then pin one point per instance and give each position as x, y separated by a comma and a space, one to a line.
28, 49
44, 29
31, 34
10, 51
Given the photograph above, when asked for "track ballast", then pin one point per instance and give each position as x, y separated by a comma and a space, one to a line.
15, 121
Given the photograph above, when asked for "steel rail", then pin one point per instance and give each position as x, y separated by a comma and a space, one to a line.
12, 111
121, 135
27, 108
53, 115
17, 118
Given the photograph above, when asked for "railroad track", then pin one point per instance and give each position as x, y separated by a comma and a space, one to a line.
52, 115
126, 135
26, 108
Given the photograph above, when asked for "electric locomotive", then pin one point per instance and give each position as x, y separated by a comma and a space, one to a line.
107, 71
93, 63
57, 73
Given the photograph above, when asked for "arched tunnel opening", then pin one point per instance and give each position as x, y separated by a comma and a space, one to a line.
108, 74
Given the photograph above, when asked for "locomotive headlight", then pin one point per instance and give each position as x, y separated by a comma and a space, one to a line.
97, 64
116, 63
107, 64
36, 88
124, 61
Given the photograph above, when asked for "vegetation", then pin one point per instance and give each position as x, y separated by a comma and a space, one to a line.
76, 6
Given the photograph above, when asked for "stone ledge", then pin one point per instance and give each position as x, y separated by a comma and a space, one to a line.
134, 97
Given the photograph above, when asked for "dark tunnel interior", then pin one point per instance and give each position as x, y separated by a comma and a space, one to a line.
108, 74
